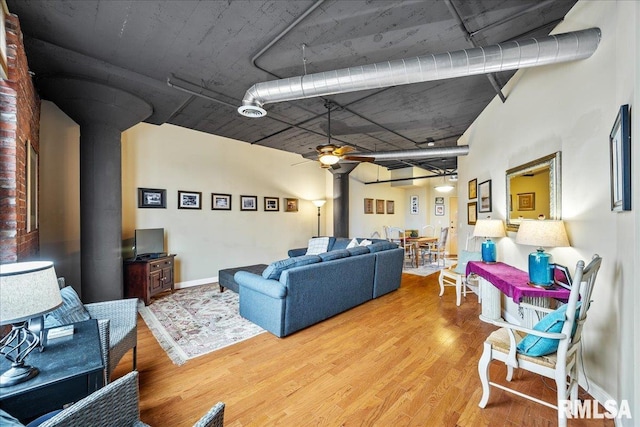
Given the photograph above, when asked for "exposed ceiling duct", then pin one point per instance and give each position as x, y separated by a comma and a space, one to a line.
482, 60
460, 150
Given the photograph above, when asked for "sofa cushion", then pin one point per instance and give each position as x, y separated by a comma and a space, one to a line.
359, 250
365, 242
340, 253
317, 245
72, 310
275, 269
381, 246
463, 258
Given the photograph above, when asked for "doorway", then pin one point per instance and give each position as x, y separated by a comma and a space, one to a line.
453, 226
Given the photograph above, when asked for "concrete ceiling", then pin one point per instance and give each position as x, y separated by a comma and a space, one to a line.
218, 49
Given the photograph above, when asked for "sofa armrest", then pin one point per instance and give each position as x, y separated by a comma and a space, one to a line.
269, 287
296, 252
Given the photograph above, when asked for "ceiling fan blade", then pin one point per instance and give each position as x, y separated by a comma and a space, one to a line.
359, 158
341, 151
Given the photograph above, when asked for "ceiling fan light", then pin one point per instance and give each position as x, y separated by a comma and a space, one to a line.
328, 159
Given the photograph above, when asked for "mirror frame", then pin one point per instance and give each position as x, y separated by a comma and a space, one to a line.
555, 185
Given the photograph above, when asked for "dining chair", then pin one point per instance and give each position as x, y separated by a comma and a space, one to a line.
551, 348
437, 249
397, 235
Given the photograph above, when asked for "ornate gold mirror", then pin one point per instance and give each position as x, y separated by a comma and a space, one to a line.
534, 189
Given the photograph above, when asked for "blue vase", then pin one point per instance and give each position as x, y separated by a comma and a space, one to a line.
539, 271
488, 251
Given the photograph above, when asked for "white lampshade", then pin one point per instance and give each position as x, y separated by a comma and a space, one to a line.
542, 233
27, 290
319, 203
489, 228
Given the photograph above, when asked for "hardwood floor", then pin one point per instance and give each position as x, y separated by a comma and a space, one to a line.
406, 359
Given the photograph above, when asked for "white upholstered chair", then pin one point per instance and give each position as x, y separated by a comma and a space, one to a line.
456, 274
551, 348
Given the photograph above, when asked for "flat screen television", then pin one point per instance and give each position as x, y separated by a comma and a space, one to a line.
149, 243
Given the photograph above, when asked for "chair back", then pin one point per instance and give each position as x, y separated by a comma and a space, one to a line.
428, 230
444, 234
581, 289
391, 235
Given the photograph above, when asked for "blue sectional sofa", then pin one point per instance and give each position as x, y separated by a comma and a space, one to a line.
312, 288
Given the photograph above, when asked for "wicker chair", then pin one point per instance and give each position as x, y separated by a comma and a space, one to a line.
118, 327
117, 405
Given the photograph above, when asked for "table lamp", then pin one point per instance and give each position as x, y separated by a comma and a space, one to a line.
488, 228
549, 233
27, 290
319, 204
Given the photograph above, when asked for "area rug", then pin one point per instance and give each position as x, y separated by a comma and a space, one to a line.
428, 269
195, 321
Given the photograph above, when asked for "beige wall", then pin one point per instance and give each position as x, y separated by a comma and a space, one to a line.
571, 108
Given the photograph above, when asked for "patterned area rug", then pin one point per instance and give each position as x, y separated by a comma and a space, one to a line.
196, 321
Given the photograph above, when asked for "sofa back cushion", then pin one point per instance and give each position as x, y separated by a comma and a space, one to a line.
340, 253
275, 269
381, 246
358, 250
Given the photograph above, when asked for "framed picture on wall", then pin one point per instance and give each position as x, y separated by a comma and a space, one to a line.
271, 204
390, 206
368, 206
526, 201
484, 195
439, 210
291, 205
220, 202
472, 213
189, 199
413, 205
248, 203
620, 148
473, 189
439, 200
379, 206
152, 198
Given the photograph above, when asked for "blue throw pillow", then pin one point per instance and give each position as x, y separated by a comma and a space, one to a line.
463, 258
358, 250
381, 246
340, 253
71, 310
532, 345
275, 269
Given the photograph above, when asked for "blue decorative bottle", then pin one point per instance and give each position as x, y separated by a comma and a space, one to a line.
539, 271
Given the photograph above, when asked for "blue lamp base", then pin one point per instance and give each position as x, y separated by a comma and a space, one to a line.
488, 251
539, 272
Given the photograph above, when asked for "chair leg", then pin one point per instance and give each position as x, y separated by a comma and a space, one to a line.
458, 291
483, 371
561, 387
441, 282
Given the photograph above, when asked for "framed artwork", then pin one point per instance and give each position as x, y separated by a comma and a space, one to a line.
439, 210
291, 205
152, 198
189, 199
413, 205
368, 206
220, 202
379, 206
526, 201
473, 189
620, 148
248, 203
439, 200
391, 208
561, 276
484, 195
271, 204
472, 213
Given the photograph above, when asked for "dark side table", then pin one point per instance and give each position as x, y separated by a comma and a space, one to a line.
70, 368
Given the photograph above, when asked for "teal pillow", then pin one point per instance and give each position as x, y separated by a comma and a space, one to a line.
71, 311
329, 256
532, 345
275, 269
463, 258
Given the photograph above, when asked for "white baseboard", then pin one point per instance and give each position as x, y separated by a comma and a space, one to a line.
198, 282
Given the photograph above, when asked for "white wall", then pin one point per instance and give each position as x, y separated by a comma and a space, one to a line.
571, 108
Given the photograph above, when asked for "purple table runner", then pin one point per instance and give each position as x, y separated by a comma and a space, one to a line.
513, 282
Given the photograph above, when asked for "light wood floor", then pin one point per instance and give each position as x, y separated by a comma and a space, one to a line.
406, 359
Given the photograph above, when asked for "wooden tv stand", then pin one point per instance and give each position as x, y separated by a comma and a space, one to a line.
144, 278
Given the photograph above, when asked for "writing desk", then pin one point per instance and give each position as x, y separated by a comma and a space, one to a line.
500, 278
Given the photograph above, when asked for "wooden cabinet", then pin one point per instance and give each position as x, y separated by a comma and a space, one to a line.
148, 277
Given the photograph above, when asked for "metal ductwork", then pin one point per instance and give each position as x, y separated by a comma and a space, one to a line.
459, 150
481, 60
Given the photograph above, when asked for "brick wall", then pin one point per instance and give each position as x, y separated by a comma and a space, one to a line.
19, 126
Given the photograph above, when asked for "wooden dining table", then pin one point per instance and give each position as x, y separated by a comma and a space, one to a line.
417, 243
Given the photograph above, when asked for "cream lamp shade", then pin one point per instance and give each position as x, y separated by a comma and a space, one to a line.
541, 233
27, 290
